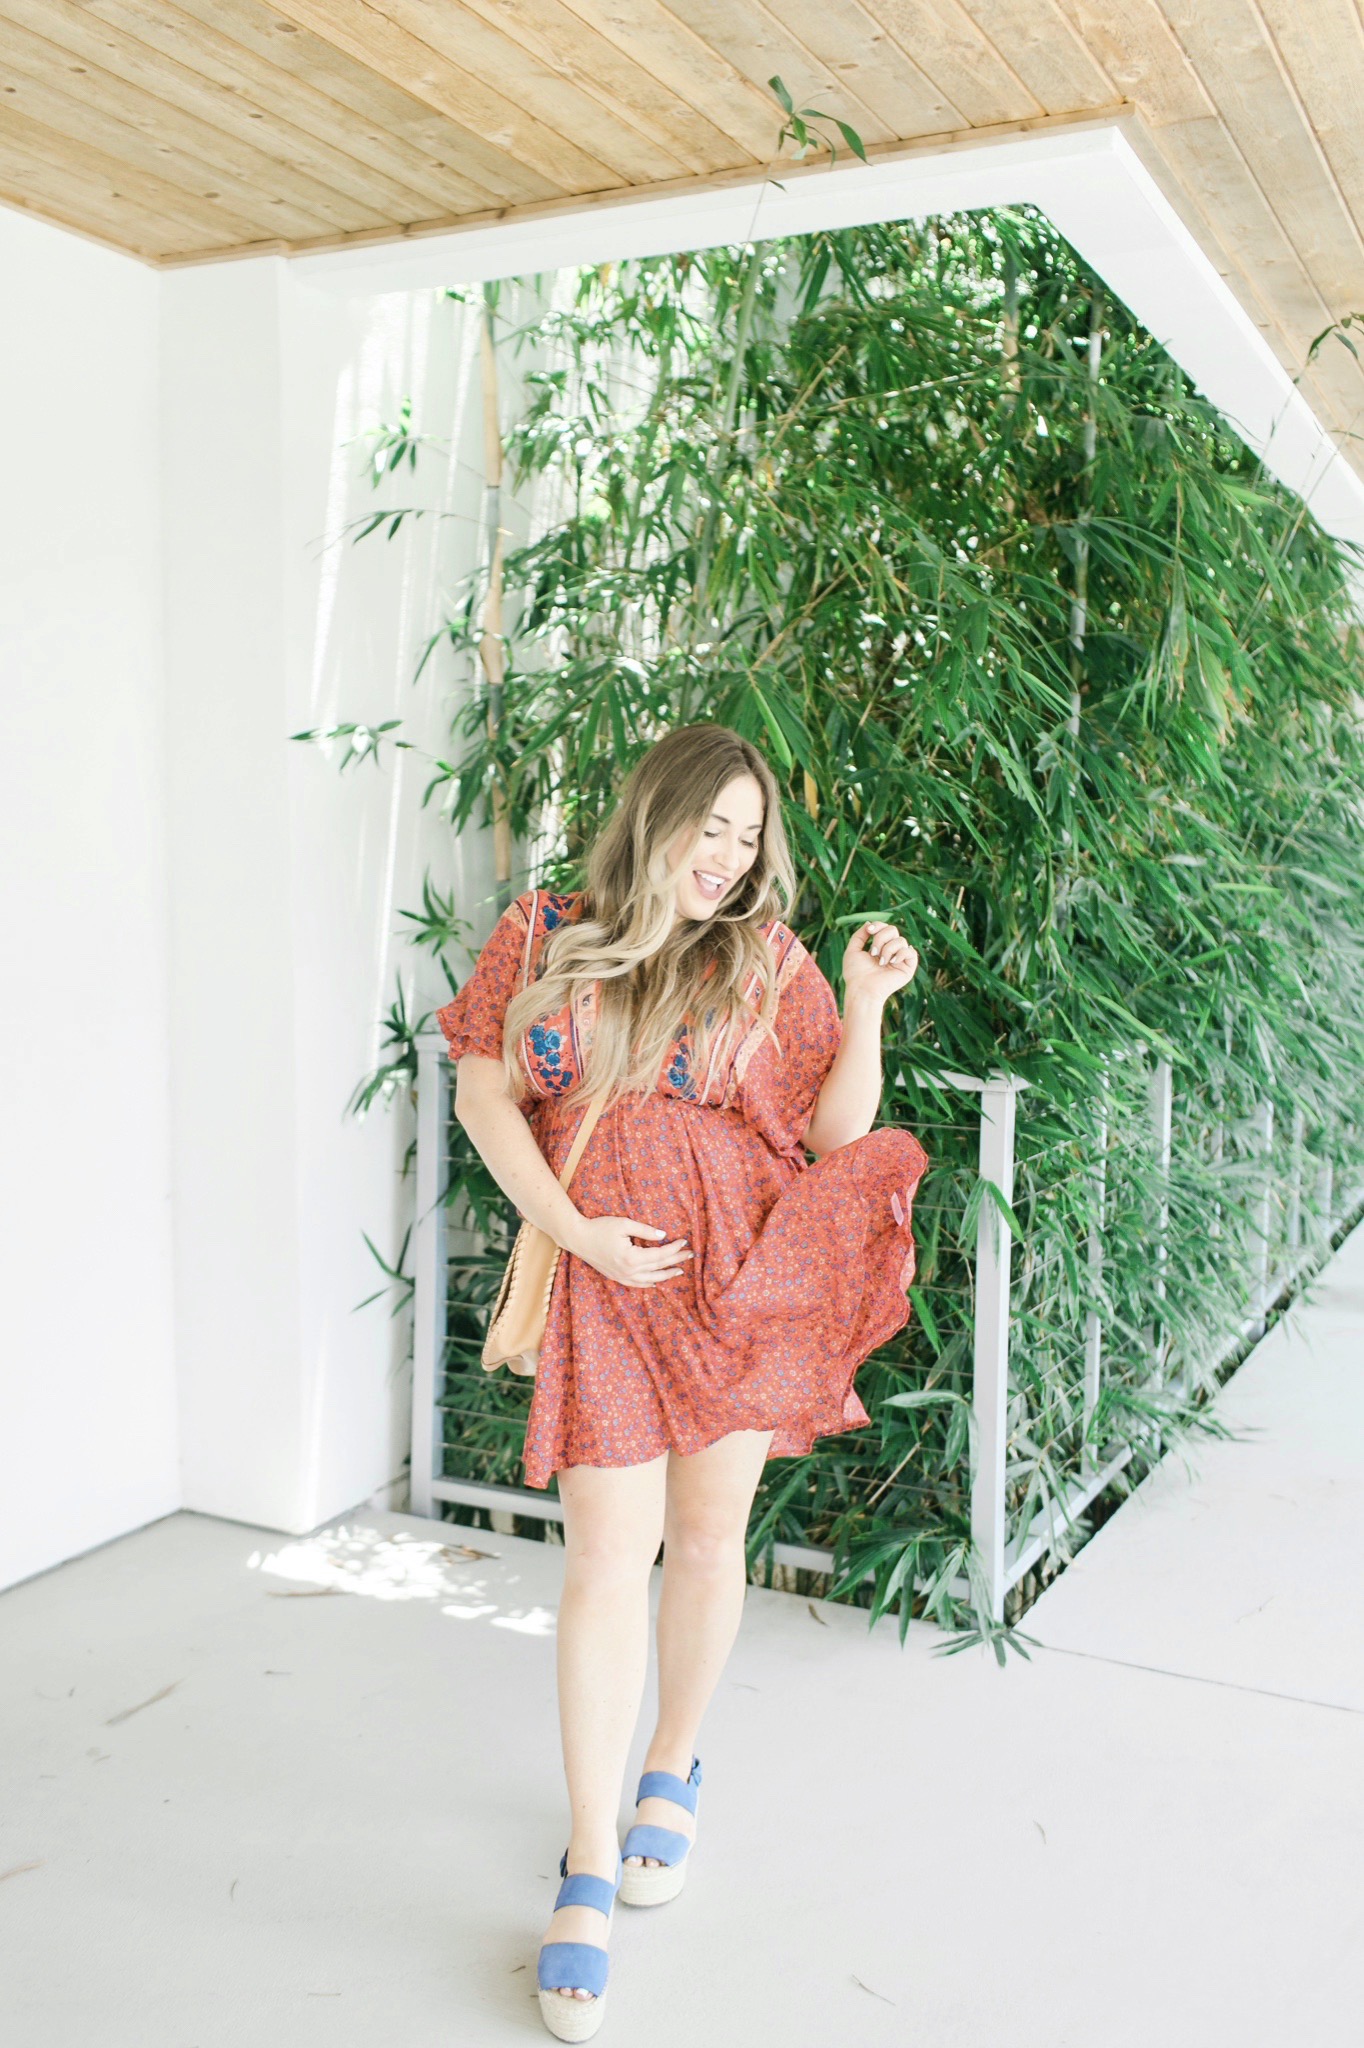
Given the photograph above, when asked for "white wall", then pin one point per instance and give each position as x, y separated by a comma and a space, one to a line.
286, 879
201, 918
87, 1398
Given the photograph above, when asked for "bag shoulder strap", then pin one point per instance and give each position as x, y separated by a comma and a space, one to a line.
530, 937
579, 1145
588, 1124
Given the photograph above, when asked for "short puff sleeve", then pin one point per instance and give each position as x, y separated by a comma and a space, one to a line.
473, 1021
810, 1030
779, 1092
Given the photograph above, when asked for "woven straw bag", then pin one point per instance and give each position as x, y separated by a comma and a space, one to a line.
516, 1327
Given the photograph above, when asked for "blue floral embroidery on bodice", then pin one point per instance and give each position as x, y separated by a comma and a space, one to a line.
554, 908
548, 1050
679, 1065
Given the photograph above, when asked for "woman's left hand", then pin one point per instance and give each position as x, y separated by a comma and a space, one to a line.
878, 961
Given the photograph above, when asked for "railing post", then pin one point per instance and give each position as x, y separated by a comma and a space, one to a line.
1162, 1125
1325, 1197
1264, 1128
1094, 1335
429, 1267
990, 1390
1293, 1219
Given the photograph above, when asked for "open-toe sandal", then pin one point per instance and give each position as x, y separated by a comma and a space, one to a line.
640, 1885
577, 1965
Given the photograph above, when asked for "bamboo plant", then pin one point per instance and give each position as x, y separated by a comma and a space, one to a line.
1056, 678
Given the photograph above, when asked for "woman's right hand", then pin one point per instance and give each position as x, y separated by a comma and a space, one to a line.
605, 1243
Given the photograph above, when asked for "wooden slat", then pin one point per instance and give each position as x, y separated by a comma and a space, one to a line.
216, 95
266, 190
282, 66
1148, 61
1266, 272
547, 31
719, 54
1142, 60
1322, 51
868, 63
1140, 56
959, 58
540, 81
1038, 40
370, 37
40, 183
199, 191
193, 224
523, 79
1240, 70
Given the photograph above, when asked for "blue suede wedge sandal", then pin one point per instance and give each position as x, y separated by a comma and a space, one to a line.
639, 1885
578, 1965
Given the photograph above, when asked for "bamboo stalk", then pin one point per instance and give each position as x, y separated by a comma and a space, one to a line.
1079, 609
492, 645
710, 526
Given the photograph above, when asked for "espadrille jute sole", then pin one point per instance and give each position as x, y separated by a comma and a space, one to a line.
571, 2019
642, 1886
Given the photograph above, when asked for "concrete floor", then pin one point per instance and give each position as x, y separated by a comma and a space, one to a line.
263, 1793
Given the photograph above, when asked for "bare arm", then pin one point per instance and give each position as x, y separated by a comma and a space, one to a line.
876, 963
505, 1143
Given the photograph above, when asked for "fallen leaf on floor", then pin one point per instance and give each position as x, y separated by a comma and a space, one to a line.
20, 1868
516, 1967
127, 1712
464, 1550
866, 1987
1040, 1829
233, 1886
815, 1614
307, 1593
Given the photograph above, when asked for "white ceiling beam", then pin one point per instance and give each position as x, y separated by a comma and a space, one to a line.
1085, 176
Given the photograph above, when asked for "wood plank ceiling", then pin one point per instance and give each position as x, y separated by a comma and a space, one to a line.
214, 128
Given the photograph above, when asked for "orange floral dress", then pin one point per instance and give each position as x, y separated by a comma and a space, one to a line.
799, 1272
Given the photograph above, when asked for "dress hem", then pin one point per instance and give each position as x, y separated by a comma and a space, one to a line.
627, 1464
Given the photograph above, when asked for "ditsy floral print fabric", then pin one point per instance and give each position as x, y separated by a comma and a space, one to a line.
800, 1271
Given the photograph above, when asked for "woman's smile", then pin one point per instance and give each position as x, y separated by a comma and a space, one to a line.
727, 845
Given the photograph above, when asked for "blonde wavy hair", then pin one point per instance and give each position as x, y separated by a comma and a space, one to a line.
655, 968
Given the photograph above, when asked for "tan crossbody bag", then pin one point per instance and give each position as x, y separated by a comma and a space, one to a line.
516, 1328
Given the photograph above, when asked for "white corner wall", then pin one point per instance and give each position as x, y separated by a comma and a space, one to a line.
87, 1394
201, 928
287, 879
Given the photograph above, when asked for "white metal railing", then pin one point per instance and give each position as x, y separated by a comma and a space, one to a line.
1004, 1559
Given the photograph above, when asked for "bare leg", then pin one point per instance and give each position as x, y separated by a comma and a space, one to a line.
613, 1523
709, 1499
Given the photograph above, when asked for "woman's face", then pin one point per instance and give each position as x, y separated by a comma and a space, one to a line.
709, 867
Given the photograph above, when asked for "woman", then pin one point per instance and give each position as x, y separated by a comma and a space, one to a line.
717, 1292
